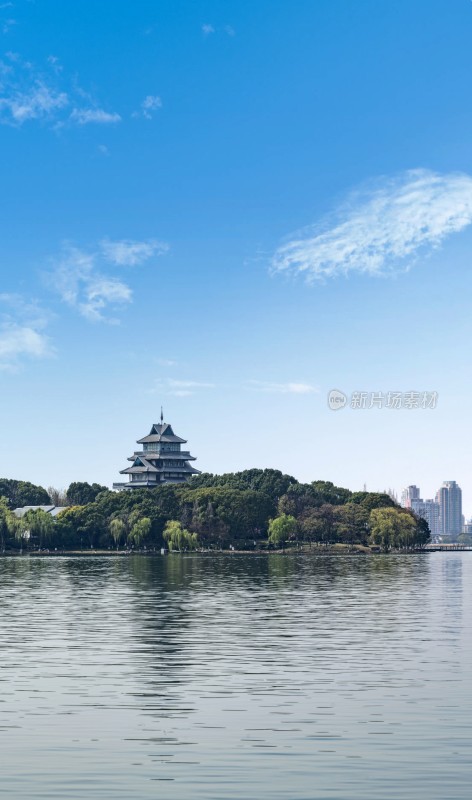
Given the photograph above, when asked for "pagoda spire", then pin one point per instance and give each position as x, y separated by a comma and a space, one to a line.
162, 416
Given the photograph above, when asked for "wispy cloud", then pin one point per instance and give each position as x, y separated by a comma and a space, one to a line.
381, 228
129, 253
8, 24
86, 279
282, 388
80, 283
20, 341
150, 104
166, 362
46, 94
55, 64
208, 29
22, 333
39, 102
180, 388
85, 116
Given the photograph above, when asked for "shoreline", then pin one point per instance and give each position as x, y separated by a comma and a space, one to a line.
335, 550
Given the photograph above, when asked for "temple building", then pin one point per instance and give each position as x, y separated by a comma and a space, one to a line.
160, 460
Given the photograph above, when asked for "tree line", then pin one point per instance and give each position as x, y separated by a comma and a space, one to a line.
243, 510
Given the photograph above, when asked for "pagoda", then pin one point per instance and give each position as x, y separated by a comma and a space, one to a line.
160, 460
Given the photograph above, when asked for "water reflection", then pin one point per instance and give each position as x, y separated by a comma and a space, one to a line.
233, 676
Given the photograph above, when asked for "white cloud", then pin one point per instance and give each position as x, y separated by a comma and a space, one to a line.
381, 228
55, 64
80, 284
282, 388
85, 116
208, 29
129, 253
166, 362
150, 104
190, 384
22, 334
40, 102
9, 23
180, 388
101, 292
46, 94
85, 281
20, 340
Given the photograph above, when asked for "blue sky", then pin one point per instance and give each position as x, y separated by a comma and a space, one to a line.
230, 208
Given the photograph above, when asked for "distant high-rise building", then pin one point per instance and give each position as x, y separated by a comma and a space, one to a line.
449, 498
409, 494
429, 510
468, 527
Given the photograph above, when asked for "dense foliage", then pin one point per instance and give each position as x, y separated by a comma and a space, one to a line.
23, 493
243, 510
80, 493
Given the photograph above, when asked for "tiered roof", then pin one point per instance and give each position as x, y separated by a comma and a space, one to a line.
151, 466
162, 433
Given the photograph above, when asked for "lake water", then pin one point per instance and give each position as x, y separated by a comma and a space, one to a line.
224, 677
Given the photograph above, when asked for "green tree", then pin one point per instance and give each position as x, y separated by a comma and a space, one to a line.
23, 493
118, 530
313, 526
392, 528
371, 500
281, 529
39, 525
8, 523
179, 538
140, 531
80, 493
351, 522
79, 525
270, 482
221, 516
328, 493
299, 499
423, 533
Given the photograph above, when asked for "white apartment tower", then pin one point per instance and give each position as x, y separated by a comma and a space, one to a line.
409, 494
429, 510
449, 498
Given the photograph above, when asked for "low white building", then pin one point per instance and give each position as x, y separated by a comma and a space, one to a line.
52, 510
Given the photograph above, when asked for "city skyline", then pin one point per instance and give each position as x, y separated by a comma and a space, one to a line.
442, 511
232, 210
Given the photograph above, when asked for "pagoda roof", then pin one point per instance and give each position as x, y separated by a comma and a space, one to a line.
182, 455
140, 465
148, 468
161, 432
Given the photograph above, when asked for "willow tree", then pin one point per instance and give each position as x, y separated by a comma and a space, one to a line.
117, 530
8, 522
179, 538
140, 531
281, 529
37, 524
393, 528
